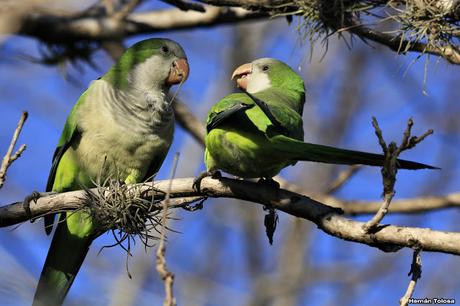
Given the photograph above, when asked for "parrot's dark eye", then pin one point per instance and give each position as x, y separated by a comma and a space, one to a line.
265, 68
165, 49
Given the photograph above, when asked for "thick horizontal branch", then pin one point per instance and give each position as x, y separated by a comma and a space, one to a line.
403, 206
400, 45
327, 218
50, 28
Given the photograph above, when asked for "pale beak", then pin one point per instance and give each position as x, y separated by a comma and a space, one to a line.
241, 74
178, 72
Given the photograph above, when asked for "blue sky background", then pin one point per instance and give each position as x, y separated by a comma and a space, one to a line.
210, 256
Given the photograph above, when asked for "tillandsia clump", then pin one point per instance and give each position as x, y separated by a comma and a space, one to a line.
321, 18
434, 23
125, 211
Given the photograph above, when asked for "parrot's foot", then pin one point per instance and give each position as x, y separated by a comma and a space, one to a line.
270, 222
34, 196
269, 182
215, 174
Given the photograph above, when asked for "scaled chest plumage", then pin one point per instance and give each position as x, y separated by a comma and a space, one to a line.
122, 134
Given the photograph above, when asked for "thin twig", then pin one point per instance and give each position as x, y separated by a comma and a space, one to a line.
8, 159
162, 269
416, 272
380, 214
390, 167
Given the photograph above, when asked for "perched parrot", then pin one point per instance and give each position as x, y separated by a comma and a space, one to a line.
256, 133
121, 125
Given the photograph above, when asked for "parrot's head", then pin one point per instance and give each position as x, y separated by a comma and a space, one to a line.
265, 73
151, 64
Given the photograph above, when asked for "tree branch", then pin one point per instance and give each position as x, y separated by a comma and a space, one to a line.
390, 167
58, 29
398, 44
161, 266
402, 206
416, 272
327, 218
9, 157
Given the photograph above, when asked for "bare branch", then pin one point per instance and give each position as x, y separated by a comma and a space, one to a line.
398, 44
390, 167
166, 275
381, 213
416, 272
8, 159
402, 206
50, 28
327, 218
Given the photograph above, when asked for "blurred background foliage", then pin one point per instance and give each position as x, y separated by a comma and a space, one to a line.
221, 255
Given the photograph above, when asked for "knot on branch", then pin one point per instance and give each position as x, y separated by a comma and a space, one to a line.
390, 167
392, 151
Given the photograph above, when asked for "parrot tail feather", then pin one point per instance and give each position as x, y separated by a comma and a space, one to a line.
299, 150
62, 264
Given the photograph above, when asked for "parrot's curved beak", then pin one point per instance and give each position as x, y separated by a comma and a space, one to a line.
241, 74
178, 72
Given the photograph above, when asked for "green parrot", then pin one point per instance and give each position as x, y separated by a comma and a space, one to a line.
121, 125
257, 133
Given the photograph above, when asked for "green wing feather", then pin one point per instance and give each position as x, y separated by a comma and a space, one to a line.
69, 133
227, 109
72, 237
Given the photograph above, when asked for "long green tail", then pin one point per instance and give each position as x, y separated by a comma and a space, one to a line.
68, 249
324, 154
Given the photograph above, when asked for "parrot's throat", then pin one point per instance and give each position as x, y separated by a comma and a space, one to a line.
142, 111
159, 109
